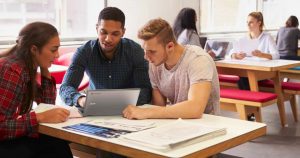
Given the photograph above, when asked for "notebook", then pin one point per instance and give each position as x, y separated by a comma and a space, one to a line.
109, 102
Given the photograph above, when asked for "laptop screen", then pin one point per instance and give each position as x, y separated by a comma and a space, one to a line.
220, 48
109, 102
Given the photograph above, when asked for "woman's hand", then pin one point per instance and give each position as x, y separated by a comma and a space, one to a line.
260, 54
55, 115
238, 56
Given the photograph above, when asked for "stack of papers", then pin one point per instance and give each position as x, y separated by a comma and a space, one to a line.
172, 134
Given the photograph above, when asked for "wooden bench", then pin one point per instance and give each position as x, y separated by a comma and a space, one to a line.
246, 102
228, 81
290, 90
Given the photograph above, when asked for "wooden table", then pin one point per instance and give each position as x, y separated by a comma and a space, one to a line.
259, 70
238, 132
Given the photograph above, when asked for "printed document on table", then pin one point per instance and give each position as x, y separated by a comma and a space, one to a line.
124, 124
172, 134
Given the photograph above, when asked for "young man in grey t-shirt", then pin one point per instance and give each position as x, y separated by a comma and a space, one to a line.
184, 75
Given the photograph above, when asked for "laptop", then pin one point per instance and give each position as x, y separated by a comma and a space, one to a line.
220, 48
108, 102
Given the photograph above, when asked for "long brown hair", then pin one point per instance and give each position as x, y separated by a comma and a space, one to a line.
34, 34
186, 19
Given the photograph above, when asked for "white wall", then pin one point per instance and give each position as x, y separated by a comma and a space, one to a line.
138, 12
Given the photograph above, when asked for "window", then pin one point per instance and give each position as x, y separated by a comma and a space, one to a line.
276, 12
81, 17
16, 13
73, 18
224, 15
138, 12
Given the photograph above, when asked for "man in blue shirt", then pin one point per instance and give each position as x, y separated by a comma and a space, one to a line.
111, 62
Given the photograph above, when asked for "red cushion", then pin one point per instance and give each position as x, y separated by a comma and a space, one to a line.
285, 85
64, 59
247, 95
59, 76
228, 78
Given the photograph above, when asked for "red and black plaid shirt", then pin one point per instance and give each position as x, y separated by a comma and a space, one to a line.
14, 78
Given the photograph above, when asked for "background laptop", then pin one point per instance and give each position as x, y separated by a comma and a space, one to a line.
109, 102
220, 48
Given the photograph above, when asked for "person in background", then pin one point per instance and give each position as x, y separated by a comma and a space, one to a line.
266, 45
111, 62
184, 74
37, 46
287, 39
185, 27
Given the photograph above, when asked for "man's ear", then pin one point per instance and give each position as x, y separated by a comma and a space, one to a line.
97, 25
124, 29
170, 46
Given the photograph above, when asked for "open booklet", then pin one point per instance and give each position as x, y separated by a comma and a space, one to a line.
168, 136
111, 128
74, 113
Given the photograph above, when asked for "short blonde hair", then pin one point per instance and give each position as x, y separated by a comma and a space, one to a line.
157, 28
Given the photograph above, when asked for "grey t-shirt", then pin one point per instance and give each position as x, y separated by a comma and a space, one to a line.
287, 41
194, 66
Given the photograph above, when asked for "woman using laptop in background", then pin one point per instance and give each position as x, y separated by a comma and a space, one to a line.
287, 39
185, 29
37, 46
266, 47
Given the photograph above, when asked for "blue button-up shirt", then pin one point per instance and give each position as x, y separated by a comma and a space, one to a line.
127, 69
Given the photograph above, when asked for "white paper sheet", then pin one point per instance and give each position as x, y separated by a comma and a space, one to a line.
42, 107
247, 46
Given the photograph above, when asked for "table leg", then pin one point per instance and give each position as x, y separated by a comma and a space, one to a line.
252, 81
280, 99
